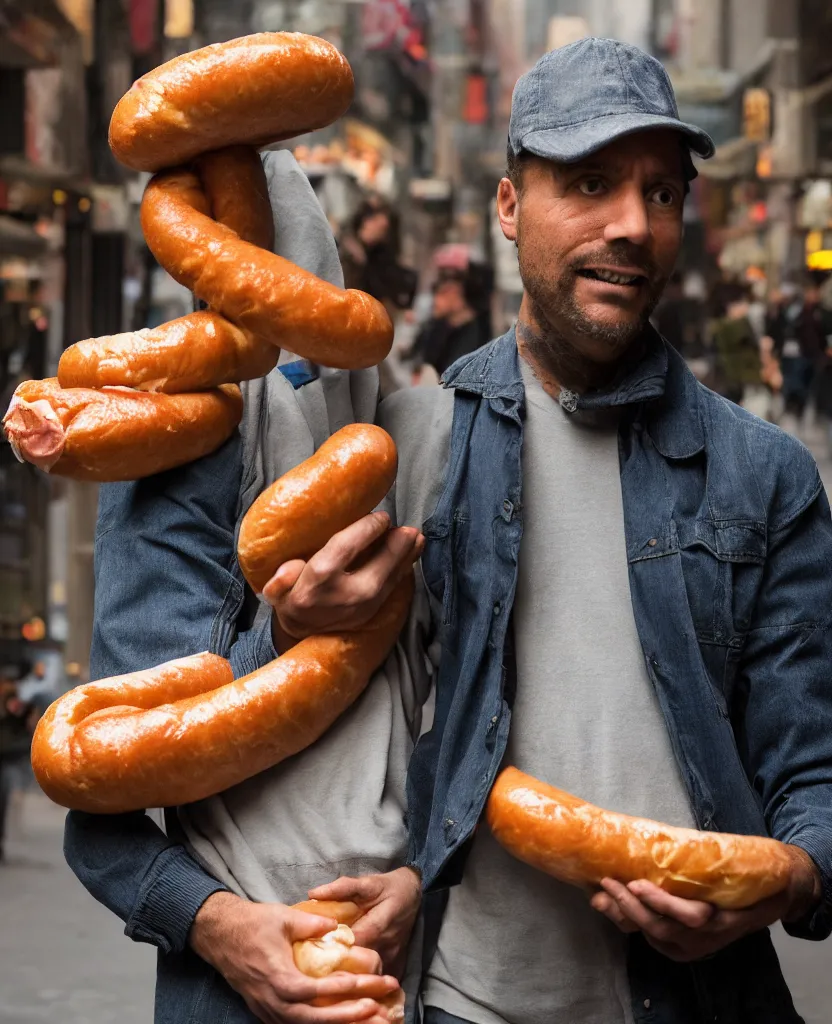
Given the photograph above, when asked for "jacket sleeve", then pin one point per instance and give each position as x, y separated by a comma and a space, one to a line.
167, 585
785, 733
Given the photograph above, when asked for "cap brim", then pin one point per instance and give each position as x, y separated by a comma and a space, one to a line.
575, 142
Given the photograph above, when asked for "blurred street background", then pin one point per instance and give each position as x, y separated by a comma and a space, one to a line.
407, 180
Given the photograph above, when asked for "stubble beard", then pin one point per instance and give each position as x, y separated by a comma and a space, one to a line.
560, 324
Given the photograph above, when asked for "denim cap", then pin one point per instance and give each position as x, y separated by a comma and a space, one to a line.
581, 97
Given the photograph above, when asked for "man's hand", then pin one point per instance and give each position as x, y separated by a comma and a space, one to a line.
686, 930
390, 903
344, 584
250, 944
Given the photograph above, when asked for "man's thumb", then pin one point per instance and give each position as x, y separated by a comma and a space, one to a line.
301, 925
283, 580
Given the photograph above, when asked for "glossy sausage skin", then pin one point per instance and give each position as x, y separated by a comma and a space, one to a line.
578, 843
293, 518
192, 353
115, 434
209, 223
255, 90
127, 743
264, 293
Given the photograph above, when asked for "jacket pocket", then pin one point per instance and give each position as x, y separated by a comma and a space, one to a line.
723, 567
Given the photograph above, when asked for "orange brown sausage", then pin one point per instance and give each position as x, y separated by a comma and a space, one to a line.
293, 518
192, 353
116, 434
581, 844
255, 90
258, 290
166, 737
198, 120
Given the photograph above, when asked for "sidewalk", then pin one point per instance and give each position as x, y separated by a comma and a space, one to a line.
63, 957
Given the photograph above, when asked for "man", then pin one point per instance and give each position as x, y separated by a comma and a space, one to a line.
630, 581
806, 332
690, 685
212, 892
454, 328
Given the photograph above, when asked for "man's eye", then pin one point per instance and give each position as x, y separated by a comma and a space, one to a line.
591, 186
664, 197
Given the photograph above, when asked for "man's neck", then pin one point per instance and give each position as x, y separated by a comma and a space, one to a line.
557, 363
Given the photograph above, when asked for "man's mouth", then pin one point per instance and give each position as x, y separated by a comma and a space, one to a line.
619, 277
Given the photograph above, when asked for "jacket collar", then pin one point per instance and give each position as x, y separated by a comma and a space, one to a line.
660, 387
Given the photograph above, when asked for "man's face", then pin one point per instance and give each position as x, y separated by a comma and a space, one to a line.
598, 240
447, 299
375, 228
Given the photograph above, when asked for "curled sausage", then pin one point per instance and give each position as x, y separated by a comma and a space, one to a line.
581, 844
274, 299
346, 478
116, 434
193, 353
255, 90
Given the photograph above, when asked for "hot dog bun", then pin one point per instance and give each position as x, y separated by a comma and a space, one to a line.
581, 844
345, 479
254, 90
116, 434
336, 951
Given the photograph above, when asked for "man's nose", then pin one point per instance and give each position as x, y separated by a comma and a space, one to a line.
630, 219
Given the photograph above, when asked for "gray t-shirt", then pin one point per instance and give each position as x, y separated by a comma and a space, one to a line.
517, 946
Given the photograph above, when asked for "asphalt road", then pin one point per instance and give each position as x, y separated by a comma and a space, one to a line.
63, 957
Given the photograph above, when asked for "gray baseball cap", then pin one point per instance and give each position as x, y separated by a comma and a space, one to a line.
581, 97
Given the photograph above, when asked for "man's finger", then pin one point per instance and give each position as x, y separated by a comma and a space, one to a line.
283, 580
381, 573
691, 913
606, 905
347, 888
653, 924
338, 1013
300, 925
347, 545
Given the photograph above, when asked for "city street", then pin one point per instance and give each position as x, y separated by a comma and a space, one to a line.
64, 958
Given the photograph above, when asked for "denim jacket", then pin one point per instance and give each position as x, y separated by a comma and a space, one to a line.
729, 546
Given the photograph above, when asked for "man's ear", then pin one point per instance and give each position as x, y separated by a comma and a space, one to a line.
507, 208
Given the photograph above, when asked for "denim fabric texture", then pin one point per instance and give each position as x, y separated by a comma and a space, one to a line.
729, 543
581, 97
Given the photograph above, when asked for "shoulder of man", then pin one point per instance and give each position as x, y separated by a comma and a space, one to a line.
419, 420
782, 468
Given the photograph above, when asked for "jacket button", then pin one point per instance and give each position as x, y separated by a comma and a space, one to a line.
494, 720
497, 608
652, 542
646, 1004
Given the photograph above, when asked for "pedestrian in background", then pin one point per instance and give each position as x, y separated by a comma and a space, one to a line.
737, 347
456, 326
369, 254
804, 348
18, 719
